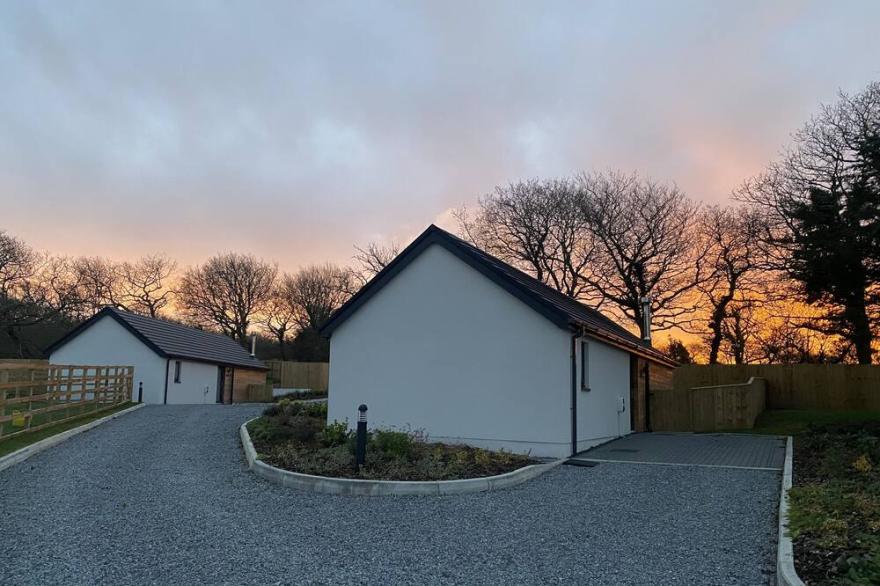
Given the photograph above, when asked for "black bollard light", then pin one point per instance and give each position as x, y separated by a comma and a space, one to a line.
360, 453
141, 392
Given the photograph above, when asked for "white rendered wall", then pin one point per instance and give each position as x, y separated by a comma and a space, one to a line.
198, 383
443, 349
106, 342
597, 409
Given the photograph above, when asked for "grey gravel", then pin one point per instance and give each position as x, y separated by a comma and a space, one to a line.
162, 496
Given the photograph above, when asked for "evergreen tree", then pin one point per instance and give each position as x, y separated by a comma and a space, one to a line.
822, 203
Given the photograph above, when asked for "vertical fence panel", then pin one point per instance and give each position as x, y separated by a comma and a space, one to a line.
795, 386
299, 375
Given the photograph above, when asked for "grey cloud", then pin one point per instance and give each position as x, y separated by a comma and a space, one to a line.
294, 130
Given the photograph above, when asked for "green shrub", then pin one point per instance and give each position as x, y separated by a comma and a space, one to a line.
396, 444
271, 411
286, 408
335, 434
318, 410
304, 429
268, 431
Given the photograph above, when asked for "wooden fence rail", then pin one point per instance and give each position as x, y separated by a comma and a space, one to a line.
36, 396
299, 375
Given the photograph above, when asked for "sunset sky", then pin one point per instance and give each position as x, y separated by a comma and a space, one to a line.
295, 130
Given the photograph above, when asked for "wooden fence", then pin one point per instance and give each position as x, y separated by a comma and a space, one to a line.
713, 408
795, 386
257, 393
299, 375
36, 395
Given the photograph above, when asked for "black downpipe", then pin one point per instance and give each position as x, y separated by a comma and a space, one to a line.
647, 396
574, 428
167, 368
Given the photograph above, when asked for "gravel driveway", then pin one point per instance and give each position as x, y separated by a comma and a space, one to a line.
162, 496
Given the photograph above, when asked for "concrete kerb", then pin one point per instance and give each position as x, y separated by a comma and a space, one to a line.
351, 486
44, 444
785, 571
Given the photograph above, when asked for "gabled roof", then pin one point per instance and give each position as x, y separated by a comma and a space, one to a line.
559, 308
172, 340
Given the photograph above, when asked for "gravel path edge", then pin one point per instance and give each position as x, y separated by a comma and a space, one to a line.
26, 452
786, 575
354, 487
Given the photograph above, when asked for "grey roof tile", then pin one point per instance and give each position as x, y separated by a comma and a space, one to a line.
173, 340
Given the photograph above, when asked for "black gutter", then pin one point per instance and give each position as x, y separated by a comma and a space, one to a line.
167, 368
574, 431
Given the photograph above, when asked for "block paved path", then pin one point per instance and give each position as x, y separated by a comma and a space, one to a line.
718, 450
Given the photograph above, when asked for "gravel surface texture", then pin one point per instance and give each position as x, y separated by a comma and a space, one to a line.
162, 496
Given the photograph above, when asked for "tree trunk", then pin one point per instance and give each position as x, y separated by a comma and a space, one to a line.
861, 337
281, 347
715, 325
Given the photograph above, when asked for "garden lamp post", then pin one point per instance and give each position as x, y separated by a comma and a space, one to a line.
360, 454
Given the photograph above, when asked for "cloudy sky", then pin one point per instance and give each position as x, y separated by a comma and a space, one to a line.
294, 130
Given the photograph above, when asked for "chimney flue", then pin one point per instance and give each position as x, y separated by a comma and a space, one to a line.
253, 345
646, 319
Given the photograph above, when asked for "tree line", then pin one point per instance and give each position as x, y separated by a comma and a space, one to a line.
41, 295
789, 272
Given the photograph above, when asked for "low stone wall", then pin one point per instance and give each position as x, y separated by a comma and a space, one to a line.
355, 487
786, 575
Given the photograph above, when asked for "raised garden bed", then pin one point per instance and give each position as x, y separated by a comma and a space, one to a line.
834, 515
295, 436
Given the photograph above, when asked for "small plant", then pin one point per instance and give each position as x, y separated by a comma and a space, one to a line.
863, 464
272, 411
397, 444
335, 434
267, 431
318, 410
304, 429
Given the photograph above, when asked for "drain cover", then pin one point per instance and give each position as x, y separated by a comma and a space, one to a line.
584, 463
627, 450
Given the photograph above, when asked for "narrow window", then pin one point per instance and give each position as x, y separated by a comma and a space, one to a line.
585, 366
177, 371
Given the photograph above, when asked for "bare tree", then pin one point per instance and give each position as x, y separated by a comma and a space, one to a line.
733, 274
279, 316
371, 259
537, 226
99, 283
227, 292
314, 293
141, 286
645, 246
34, 288
145, 284
787, 343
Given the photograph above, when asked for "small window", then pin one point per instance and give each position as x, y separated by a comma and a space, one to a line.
585, 366
177, 371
